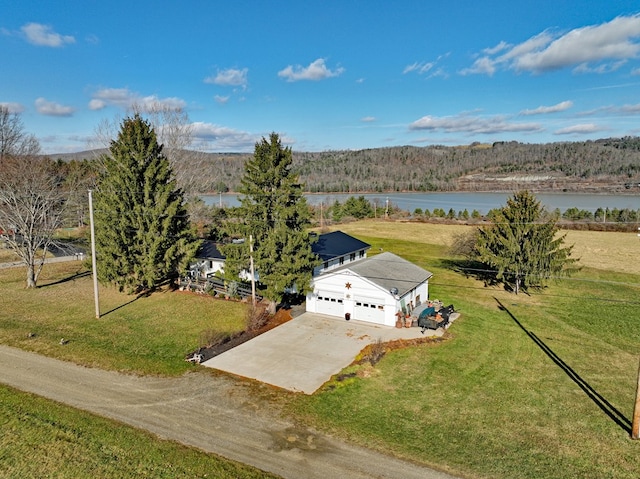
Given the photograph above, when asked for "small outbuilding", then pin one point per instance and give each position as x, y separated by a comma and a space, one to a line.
373, 289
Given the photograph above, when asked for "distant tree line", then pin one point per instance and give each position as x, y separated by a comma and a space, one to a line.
612, 163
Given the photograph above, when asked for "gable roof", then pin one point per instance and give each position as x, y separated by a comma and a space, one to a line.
209, 250
389, 271
336, 244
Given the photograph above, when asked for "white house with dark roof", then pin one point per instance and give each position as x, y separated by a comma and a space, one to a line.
373, 289
336, 249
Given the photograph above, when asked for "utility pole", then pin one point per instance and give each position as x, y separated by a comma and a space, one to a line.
386, 209
93, 257
252, 272
635, 424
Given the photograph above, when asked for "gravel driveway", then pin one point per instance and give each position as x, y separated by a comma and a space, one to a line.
214, 414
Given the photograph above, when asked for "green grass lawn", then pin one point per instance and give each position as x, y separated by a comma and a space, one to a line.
41, 438
146, 334
538, 386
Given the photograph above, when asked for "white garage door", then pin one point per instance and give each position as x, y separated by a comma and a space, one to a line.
330, 304
367, 309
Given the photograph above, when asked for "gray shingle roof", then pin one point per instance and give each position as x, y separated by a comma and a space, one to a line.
389, 271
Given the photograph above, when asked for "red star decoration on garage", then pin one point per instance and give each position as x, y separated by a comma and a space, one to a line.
348, 285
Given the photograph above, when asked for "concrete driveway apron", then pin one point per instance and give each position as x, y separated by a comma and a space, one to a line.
302, 354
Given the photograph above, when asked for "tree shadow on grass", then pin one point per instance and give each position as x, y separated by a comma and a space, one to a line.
471, 269
608, 408
73, 277
144, 294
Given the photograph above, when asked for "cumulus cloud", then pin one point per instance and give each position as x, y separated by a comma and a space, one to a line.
543, 110
592, 49
50, 108
472, 124
221, 138
317, 70
43, 35
229, 77
126, 99
12, 107
579, 129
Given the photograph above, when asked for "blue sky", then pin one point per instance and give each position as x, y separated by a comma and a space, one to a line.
326, 75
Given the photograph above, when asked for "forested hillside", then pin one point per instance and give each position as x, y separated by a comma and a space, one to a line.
608, 165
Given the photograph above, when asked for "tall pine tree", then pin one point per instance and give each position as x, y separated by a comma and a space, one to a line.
275, 213
522, 247
143, 234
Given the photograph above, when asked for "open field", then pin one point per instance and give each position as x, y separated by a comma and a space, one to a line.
612, 251
538, 386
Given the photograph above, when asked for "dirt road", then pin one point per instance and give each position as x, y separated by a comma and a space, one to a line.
214, 414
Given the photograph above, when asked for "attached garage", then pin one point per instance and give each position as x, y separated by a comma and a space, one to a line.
373, 289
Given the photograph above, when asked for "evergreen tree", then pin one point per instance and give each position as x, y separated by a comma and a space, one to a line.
523, 248
143, 235
275, 213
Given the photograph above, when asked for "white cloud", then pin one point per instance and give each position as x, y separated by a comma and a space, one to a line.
472, 124
126, 99
229, 77
51, 108
43, 35
630, 109
12, 107
222, 100
595, 49
431, 68
497, 49
482, 66
542, 110
96, 104
579, 129
368, 119
222, 138
635, 72
317, 70
420, 68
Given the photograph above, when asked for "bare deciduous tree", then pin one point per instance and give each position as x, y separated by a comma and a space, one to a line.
175, 133
31, 207
13, 139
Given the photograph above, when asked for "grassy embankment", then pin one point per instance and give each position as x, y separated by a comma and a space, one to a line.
40, 438
526, 386
538, 386
145, 335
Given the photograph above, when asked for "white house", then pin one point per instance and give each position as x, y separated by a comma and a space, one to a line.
209, 260
336, 249
372, 289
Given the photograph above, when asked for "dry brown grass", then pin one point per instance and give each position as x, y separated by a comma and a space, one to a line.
612, 251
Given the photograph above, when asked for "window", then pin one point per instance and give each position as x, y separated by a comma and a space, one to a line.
326, 265
341, 259
362, 253
352, 257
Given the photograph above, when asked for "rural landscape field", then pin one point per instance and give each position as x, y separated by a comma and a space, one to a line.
538, 385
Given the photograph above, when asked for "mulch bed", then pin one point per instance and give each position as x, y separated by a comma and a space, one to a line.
281, 316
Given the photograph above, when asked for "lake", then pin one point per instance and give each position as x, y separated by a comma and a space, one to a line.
482, 202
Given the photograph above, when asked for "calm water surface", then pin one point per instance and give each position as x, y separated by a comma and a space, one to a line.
482, 202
